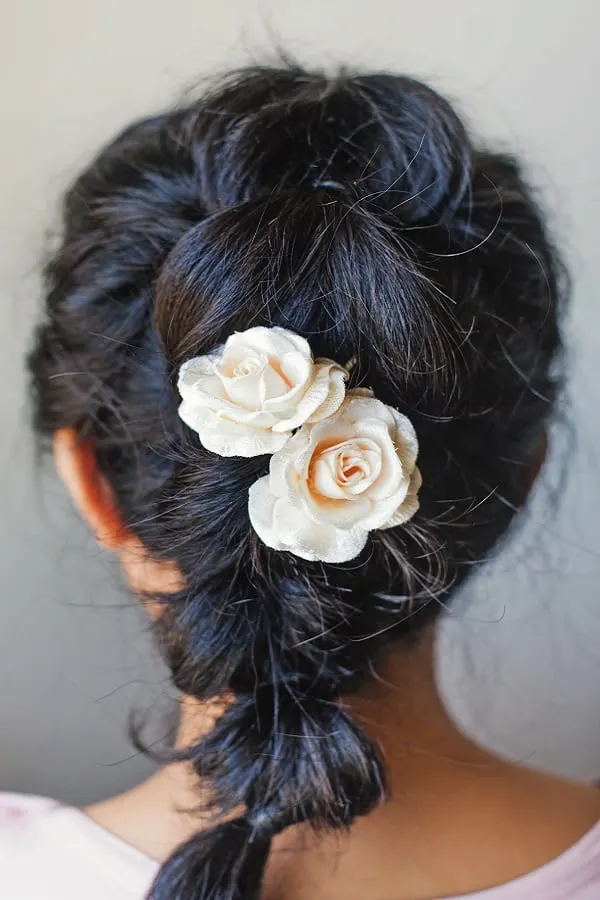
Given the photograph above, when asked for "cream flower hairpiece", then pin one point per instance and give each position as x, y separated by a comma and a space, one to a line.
247, 398
343, 463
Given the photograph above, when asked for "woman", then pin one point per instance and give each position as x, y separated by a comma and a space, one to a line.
300, 350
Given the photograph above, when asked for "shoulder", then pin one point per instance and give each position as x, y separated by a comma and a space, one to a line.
552, 837
50, 851
16, 807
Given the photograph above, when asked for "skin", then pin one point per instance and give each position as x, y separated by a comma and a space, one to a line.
459, 819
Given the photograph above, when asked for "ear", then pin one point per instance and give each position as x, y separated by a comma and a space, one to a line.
537, 462
75, 461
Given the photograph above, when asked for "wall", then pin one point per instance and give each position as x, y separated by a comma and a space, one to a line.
519, 654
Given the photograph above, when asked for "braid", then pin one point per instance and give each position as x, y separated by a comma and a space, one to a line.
285, 759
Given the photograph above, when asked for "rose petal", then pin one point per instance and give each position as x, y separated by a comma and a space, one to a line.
363, 406
280, 407
228, 438
261, 504
279, 526
274, 341
196, 406
209, 392
409, 506
296, 367
383, 509
236, 441
344, 545
290, 463
316, 394
312, 541
340, 513
336, 389
243, 390
324, 480
191, 414
406, 440
273, 386
403, 513
195, 371
238, 354
331, 431
391, 475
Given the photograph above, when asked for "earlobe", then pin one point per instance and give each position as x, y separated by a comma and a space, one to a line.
76, 465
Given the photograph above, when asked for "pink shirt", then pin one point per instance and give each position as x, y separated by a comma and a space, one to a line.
54, 852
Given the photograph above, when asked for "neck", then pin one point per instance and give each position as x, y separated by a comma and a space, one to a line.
447, 795
400, 709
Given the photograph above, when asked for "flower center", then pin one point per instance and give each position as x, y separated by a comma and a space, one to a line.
345, 469
250, 365
350, 468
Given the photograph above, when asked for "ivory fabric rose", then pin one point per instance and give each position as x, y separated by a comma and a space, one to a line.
248, 397
336, 480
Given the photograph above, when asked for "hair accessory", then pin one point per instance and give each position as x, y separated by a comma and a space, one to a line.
247, 398
343, 463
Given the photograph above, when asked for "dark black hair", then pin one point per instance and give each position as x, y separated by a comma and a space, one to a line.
356, 211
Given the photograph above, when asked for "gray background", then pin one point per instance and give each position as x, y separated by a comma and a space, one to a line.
519, 655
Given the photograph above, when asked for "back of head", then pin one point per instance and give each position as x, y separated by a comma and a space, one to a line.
356, 212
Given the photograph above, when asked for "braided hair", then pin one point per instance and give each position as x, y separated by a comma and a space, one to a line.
357, 212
